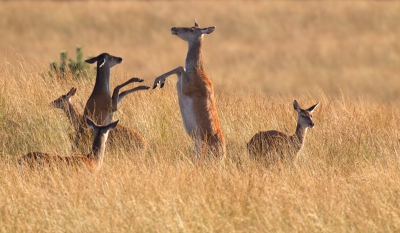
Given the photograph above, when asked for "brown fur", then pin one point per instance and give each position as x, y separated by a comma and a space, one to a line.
196, 95
273, 146
120, 135
93, 161
39, 159
99, 105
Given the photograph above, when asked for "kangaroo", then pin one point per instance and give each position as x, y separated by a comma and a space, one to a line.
196, 94
274, 145
64, 102
99, 105
120, 136
93, 161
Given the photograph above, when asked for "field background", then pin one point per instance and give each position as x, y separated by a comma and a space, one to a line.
261, 57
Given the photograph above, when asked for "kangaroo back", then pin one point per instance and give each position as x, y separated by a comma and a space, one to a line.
274, 146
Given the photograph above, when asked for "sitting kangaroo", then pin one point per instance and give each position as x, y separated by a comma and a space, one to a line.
273, 145
121, 136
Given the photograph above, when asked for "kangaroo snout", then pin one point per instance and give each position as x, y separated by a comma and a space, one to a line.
174, 31
119, 60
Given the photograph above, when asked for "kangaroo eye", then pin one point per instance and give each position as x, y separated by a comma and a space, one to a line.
191, 30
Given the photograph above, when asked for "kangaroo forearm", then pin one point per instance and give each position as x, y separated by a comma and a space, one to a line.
161, 79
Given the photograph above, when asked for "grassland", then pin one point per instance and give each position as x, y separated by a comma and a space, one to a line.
261, 56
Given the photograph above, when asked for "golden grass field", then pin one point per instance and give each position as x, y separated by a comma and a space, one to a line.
261, 57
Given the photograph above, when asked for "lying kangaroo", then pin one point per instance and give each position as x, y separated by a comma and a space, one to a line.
93, 161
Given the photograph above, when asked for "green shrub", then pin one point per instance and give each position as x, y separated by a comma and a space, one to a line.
77, 68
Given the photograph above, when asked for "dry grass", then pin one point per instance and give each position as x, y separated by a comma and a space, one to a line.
261, 57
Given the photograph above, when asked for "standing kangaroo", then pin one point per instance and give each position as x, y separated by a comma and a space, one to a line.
196, 94
101, 105
274, 145
93, 160
120, 136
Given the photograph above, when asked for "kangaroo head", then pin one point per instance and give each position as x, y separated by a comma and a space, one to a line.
105, 60
62, 101
100, 132
190, 34
305, 115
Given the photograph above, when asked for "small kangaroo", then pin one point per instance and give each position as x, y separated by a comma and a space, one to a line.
64, 102
274, 145
99, 105
120, 135
196, 94
93, 161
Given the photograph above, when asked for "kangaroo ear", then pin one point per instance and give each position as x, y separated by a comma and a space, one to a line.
91, 60
208, 30
312, 108
195, 23
112, 126
103, 61
72, 92
91, 123
296, 106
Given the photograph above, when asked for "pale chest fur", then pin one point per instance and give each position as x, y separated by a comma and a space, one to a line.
187, 110
196, 105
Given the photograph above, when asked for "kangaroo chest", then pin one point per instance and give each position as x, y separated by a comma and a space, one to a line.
187, 111
194, 103
98, 107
